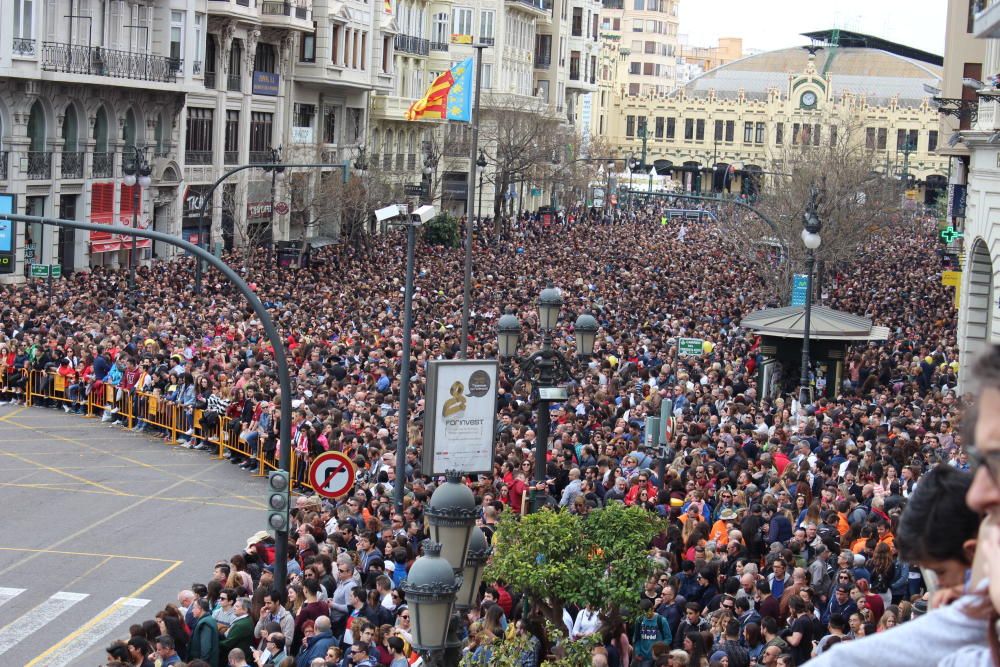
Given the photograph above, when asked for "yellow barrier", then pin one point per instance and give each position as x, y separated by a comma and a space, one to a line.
156, 412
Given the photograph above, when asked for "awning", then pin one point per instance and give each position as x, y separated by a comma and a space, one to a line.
824, 324
105, 246
126, 242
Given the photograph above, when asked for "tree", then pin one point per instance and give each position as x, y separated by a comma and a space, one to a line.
557, 558
857, 201
442, 229
352, 204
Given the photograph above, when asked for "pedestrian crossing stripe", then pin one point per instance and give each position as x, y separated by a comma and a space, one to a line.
31, 622
74, 645
8, 594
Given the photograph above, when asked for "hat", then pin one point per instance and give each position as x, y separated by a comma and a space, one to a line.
727, 515
718, 655
676, 502
257, 537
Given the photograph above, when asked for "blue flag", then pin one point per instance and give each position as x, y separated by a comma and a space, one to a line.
460, 96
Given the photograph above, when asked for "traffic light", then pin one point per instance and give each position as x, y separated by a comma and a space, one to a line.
278, 501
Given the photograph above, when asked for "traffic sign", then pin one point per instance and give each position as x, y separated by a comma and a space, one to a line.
332, 474
45, 270
413, 189
688, 347
280, 207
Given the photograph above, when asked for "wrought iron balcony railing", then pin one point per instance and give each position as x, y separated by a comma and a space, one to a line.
543, 60
416, 45
39, 165
23, 47
72, 164
99, 61
198, 157
103, 165
3, 165
231, 157
439, 46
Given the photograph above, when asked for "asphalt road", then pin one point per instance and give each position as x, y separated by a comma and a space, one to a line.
101, 528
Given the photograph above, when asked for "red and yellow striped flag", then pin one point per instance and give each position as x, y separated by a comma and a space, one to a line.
434, 104
388, 7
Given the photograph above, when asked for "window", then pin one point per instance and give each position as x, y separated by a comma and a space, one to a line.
730, 130
307, 46
658, 127
806, 134
330, 126
634, 68
633, 89
630, 126
699, 133
463, 21
648, 69
671, 128
487, 81
577, 25
747, 132
759, 133
688, 129
932, 139
637, 25
640, 5
912, 139
795, 134
487, 21
354, 118
870, 137
176, 35
816, 133
24, 19
264, 60
779, 133
882, 136
199, 130
261, 124
232, 131
833, 135
441, 29
718, 130
199, 36
336, 33
303, 116
617, 23
649, 47
235, 66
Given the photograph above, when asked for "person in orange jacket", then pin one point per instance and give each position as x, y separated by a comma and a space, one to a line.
720, 529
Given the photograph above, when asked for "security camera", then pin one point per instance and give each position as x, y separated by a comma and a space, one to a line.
387, 213
424, 214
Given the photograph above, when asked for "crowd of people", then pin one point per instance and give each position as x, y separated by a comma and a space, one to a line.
786, 526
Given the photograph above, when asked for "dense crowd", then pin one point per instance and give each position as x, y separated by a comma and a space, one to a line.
783, 518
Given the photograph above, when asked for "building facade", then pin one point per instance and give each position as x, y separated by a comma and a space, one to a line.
740, 118
696, 60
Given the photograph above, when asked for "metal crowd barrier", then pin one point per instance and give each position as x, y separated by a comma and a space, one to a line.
163, 417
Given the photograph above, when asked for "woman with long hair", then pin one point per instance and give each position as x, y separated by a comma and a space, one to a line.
883, 568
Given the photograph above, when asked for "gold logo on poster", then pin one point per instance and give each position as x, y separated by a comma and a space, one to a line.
456, 403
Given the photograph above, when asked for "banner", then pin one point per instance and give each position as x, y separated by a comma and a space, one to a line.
460, 416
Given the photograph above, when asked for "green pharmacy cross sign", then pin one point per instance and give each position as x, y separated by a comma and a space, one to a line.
949, 234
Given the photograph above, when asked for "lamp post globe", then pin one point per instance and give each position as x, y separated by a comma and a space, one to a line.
475, 567
550, 302
508, 334
811, 240
585, 331
451, 514
430, 589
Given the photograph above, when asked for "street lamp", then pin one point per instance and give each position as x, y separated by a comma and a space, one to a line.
811, 240
611, 169
277, 171
138, 172
546, 367
481, 167
430, 589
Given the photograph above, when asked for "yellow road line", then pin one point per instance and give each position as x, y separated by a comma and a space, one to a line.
88, 554
192, 500
24, 459
257, 503
12, 414
100, 617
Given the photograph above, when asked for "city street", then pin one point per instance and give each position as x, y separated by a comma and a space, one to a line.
102, 528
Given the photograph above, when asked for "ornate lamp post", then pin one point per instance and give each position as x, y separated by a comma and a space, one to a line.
138, 172
811, 240
545, 368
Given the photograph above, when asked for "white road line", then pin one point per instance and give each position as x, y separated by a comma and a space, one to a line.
92, 632
32, 621
8, 594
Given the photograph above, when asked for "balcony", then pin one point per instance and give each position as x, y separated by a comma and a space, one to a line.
38, 165
987, 20
261, 157
414, 45
72, 164
3, 165
543, 60
231, 157
198, 157
387, 162
285, 14
103, 165
439, 46
233, 83
541, 7
23, 47
99, 61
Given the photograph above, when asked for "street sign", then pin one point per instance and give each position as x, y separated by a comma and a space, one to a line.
280, 207
951, 278
332, 474
45, 270
689, 347
800, 283
413, 189
29, 251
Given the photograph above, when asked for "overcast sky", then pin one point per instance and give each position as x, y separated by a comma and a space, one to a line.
776, 24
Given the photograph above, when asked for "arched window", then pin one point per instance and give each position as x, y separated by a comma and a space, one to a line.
70, 130
101, 131
129, 130
36, 128
161, 138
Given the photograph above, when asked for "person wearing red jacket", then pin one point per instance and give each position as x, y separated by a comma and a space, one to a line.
642, 482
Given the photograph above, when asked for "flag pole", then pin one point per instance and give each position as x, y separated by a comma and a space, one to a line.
470, 198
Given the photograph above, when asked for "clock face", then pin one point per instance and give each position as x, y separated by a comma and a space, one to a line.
809, 99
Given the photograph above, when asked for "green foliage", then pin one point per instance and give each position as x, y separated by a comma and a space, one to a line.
442, 229
509, 650
558, 558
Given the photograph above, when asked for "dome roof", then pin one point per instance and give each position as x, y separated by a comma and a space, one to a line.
874, 73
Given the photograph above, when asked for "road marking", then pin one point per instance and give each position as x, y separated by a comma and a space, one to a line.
57, 471
14, 632
8, 594
70, 648
14, 413
88, 554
